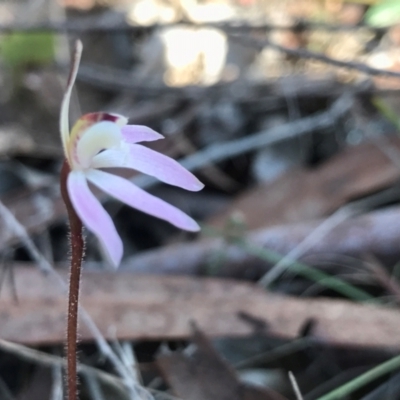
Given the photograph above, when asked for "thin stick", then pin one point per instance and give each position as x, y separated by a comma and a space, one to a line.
110, 24
295, 386
220, 152
57, 386
311, 55
77, 248
50, 360
308, 242
94, 387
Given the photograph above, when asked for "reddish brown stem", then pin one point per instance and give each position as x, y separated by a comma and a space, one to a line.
77, 249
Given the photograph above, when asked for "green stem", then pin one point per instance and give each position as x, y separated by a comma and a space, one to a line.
77, 249
357, 383
322, 278
338, 285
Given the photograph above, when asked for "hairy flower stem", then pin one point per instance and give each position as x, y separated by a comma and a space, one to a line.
77, 249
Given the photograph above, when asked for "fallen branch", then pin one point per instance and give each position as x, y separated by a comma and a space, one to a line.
132, 307
376, 233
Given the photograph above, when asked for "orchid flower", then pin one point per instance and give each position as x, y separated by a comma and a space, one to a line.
104, 140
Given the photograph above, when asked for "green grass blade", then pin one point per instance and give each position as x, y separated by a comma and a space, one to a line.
385, 368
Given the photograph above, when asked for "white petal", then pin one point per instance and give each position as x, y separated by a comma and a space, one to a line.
100, 136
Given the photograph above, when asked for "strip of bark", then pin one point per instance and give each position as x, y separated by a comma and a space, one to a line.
133, 307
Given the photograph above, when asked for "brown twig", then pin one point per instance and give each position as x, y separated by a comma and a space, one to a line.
312, 55
223, 151
117, 79
113, 22
77, 249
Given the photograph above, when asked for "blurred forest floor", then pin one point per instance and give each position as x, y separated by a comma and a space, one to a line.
288, 112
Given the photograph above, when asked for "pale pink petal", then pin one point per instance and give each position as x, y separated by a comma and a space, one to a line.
139, 133
149, 162
94, 217
135, 197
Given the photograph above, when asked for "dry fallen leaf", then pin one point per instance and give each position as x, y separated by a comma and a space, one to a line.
130, 306
204, 375
303, 195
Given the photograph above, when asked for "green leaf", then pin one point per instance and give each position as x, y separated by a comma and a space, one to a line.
22, 49
383, 14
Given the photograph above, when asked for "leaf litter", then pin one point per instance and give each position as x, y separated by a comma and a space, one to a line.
284, 139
